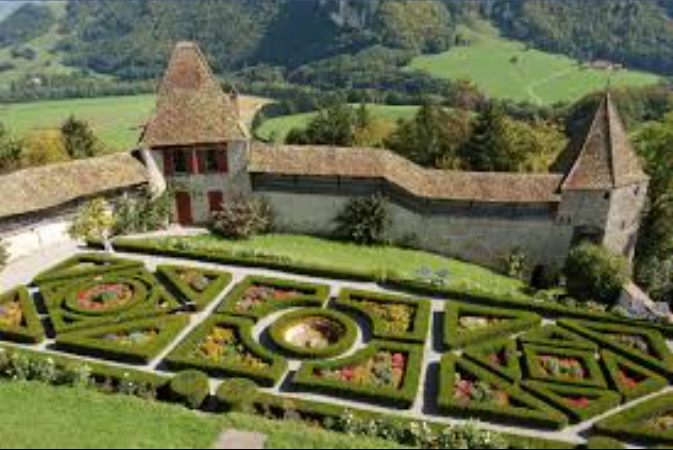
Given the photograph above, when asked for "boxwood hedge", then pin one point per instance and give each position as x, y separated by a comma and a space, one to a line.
30, 330
214, 282
510, 322
99, 342
307, 379
634, 424
525, 409
508, 367
188, 356
150, 300
578, 403
310, 294
278, 330
592, 370
85, 266
644, 381
383, 326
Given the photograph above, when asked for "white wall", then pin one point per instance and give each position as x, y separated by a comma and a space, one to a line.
37, 237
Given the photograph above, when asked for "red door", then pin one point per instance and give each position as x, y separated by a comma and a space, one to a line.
215, 200
184, 206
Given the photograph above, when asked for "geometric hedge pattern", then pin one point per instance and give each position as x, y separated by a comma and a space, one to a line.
499, 364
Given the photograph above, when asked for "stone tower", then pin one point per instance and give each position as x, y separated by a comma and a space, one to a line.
604, 190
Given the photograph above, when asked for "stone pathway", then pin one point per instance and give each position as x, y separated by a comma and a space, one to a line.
24, 270
232, 439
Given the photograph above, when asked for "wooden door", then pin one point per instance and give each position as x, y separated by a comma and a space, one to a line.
183, 203
215, 201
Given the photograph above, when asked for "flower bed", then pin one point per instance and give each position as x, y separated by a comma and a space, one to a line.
467, 324
314, 333
467, 389
556, 336
630, 379
256, 297
392, 317
198, 287
75, 304
564, 366
648, 422
501, 356
578, 403
18, 318
223, 347
133, 342
647, 347
384, 372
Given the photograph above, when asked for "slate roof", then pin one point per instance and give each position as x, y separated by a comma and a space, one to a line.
41, 188
191, 107
370, 163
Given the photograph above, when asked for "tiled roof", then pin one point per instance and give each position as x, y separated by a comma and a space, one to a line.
604, 157
382, 164
45, 187
191, 108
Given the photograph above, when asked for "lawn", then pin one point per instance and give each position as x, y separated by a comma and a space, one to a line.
509, 70
34, 415
276, 129
327, 253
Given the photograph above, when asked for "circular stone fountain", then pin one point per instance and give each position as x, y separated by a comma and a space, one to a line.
314, 333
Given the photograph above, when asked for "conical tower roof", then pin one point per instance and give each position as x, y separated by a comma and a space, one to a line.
603, 158
191, 107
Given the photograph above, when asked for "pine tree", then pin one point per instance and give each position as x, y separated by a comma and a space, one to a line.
80, 141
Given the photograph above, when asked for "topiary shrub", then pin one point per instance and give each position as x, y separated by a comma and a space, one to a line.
603, 442
190, 388
243, 218
365, 221
237, 394
594, 273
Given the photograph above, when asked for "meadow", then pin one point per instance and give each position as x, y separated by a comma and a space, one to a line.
510, 70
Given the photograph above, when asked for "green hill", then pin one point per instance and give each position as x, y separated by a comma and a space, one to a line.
511, 70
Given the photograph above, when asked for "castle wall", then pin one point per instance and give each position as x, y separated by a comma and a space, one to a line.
624, 218
484, 233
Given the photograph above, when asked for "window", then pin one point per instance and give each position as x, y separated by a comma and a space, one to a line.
208, 161
180, 162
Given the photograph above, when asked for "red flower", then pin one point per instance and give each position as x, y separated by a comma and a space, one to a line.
578, 402
399, 360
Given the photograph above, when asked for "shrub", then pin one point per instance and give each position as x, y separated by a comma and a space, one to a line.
190, 387
243, 218
593, 273
238, 395
365, 221
143, 213
515, 264
545, 277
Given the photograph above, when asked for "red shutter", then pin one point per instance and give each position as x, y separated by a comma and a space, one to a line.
201, 156
193, 161
222, 162
215, 200
169, 164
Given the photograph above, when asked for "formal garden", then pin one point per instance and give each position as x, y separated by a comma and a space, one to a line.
400, 359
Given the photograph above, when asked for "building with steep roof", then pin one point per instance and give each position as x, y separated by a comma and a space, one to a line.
200, 147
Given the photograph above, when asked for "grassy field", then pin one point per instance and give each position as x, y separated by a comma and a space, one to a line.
116, 120
37, 416
508, 70
277, 128
344, 256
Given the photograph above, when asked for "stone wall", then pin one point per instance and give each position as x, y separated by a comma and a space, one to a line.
484, 235
624, 218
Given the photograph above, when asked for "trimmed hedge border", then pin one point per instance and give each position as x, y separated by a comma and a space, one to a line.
343, 344
91, 342
595, 378
661, 361
516, 301
420, 323
200, 300
512, 371
628, 423
101, 264
652, 382
553, 335
157, 302
600, 399
402, 398
31, 332
182, 357
190, 387
540, 413
312, 295
455, 338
